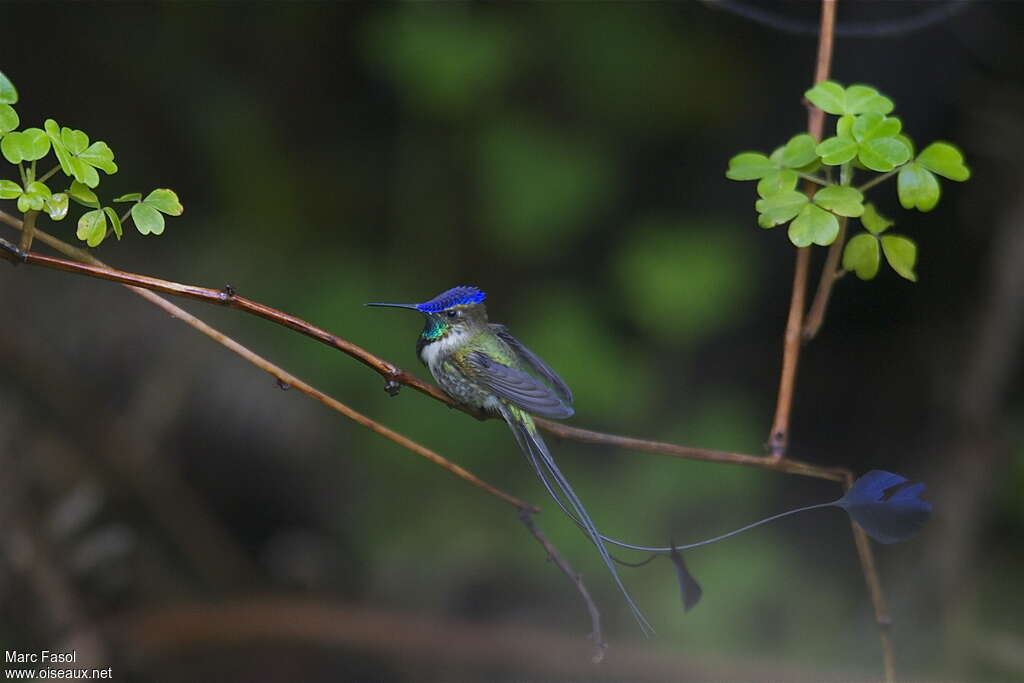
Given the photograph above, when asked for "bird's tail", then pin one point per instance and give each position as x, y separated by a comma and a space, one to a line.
536, 451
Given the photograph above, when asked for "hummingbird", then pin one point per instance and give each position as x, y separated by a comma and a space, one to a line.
482, 366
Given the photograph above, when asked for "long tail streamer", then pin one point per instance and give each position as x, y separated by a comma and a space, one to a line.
536, 452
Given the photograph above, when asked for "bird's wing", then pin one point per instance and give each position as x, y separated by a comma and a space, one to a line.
535, 363
516, 387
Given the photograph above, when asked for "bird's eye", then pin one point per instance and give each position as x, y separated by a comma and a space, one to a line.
452, 314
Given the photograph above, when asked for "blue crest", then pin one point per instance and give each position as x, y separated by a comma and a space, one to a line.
453, 297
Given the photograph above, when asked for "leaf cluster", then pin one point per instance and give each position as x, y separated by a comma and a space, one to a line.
867, 139
79, 162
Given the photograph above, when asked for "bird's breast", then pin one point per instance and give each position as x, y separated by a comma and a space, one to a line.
434, 352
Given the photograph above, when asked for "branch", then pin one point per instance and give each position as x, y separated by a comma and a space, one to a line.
829, 275
136, 283
595, 616
878, 603
786, 465
394, 375
795, 331
28, 232
779, 437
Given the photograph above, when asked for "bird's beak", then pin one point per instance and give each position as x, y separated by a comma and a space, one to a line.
414, 307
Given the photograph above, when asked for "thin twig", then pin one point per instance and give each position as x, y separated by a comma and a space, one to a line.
28, 231
228, 298
813, 178
878, 604
91, 267
794, 328
99, 269
879, 179
46, 176
829, 275
395, 375
779, 437
600, 646
786, 465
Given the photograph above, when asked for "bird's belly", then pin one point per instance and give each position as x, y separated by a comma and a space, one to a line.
466, 391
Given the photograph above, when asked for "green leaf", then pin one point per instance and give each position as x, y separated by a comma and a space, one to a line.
83, 195
828, 96
883, 154
130, 197
8, 118
862, 98
811, 167
9, 189
63, 156
944, 159
779, 208
77, 157
844, 126
873, 125
749, 166
74, 140
57, 206
840, 199
34, 144
38, 189
874, 222
9, 147
165, 201
92, 227
780, 180
100, 155
115, 220
30, 144
906, 141
799, 151
147, 219
917, 188
8, 93
83, 172
27, 145
901, 253
814, 225
837, 150
861, 255
34, 198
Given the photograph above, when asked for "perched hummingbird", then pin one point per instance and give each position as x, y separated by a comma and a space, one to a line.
481, 365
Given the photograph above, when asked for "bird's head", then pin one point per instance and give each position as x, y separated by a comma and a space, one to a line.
458, 309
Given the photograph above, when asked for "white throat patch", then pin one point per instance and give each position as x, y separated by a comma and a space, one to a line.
434, 353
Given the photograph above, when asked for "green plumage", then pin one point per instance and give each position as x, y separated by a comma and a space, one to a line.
483, 366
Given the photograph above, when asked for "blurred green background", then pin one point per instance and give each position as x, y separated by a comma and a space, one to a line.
568, 158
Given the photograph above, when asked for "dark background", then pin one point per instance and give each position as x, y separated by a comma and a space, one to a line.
569, 159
